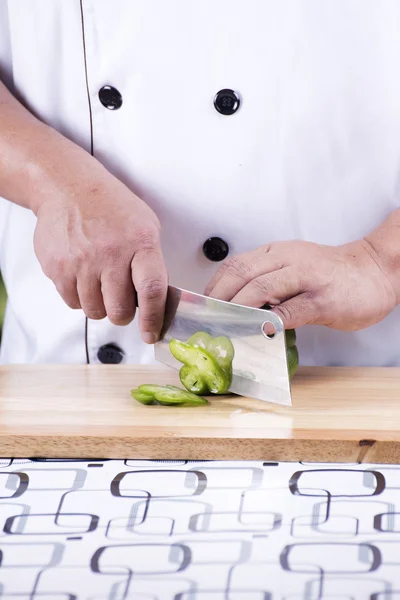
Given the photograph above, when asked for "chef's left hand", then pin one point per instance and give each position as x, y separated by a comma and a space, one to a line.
344, 287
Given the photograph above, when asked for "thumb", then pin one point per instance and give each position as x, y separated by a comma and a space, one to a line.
297, 311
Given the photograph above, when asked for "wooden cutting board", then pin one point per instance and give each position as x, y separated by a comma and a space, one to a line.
338, 415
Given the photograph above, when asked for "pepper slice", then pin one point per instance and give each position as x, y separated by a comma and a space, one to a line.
216, 378
142, 397
220, 347
171, 395
192, 380
166, 395
201, 338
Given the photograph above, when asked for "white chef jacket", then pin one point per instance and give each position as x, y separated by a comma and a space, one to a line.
313, 152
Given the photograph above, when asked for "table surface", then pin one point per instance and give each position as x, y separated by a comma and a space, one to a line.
179, 530
338, 414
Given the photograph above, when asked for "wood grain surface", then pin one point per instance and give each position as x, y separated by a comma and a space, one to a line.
338, 415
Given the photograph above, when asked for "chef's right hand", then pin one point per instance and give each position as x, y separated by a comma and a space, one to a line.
96, 240
100, 245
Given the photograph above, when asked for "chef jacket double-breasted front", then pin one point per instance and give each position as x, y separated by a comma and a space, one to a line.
304, 143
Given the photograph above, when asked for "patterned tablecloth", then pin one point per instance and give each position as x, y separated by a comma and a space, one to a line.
155, 530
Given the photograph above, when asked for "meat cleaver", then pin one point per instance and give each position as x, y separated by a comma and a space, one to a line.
260, 368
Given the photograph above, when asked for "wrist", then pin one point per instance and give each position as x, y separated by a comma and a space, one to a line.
384, 246
45, 167
57, 170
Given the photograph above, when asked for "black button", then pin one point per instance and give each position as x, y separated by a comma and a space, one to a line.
227, 102
110, 97
215, 249
110, 354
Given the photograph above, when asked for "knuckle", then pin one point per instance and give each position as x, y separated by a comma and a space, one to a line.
313, 299
150, 321
146, 240
111, 250
304, 278
152, 288
287, 312
56, 266
120, 315
95, 314
262, 285
80, 256
120, 319
237, 267
318, 305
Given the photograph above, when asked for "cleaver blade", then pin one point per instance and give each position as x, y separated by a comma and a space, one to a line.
260, 368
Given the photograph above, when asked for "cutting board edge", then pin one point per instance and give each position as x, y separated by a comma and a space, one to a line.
201, 449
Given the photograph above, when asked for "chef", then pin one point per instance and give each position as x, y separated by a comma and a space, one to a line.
249, 150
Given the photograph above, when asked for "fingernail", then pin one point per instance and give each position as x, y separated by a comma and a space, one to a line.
149, 338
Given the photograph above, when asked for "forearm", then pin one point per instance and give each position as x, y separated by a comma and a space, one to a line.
36, 160
384, 242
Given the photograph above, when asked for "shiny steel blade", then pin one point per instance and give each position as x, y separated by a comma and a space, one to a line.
260, 367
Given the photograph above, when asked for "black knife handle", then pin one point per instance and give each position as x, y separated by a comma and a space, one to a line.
266, 307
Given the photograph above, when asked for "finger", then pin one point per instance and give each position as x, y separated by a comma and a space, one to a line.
68, 292
150, 279
235, 273
271, 288
56, 269
90, 296
300, 310
119, 295
237, 267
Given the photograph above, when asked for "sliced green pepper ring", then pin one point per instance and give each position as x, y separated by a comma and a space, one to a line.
222, 349
142, 397
174, 395
213, 374
192, 380
228, 372
169, 394
191, 399
201, 338
151, 389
